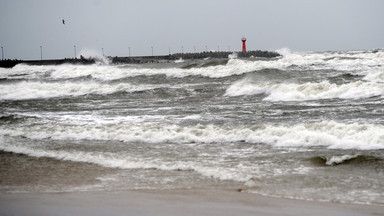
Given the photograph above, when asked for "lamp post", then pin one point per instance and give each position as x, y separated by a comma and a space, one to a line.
2, 53
152, 50
75, 50
41, 52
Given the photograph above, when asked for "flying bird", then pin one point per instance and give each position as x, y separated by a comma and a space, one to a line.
63, 21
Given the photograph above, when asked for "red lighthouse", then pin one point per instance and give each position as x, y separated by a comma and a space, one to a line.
243, 39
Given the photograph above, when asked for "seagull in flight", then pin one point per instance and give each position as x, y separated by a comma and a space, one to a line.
63, 21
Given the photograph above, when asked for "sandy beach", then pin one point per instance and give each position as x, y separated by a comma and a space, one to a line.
170, 202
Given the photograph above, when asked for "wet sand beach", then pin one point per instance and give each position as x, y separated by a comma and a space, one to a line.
171, 202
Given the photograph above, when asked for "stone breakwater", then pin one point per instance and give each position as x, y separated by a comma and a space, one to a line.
11, 63
201, 55
143, 59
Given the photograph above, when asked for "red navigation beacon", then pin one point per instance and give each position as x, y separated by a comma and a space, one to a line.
243, 39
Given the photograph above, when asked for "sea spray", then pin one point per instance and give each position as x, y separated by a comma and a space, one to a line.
284, 51
100, 58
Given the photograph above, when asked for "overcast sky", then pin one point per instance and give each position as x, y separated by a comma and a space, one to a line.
116, 25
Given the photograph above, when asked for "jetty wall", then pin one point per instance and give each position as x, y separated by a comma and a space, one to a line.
142, 59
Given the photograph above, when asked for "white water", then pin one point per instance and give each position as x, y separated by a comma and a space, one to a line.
360, 62
329, 134
334, 160
367, 64
307, 91
35, 89
127, 161
259, 123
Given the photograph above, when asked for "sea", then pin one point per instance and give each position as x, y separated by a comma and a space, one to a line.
306, 125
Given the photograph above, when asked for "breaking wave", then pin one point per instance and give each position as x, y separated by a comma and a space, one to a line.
362, 62
111, 160
345, 159
328, 134
93, 54
35, 89
277, 91
375, 76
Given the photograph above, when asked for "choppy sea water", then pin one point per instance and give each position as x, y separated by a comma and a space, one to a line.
305, 126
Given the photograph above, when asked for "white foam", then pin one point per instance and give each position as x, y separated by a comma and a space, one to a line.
35, 89
125, 161
328, 133
334, 160
360, 62
245, 86
233, 55
94, 54
180, 60
23, 71
376, 75
285, 51
307, 91
7, 73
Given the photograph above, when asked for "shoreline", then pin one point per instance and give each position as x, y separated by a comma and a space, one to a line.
9, 63
171, 202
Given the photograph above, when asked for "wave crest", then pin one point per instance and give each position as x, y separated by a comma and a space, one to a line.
327, 134
34, 89
281, 91
355, 159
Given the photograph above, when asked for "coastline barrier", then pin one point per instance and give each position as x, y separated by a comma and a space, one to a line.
9, 63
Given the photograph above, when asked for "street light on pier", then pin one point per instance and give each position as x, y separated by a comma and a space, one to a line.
2, 53
41, 52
